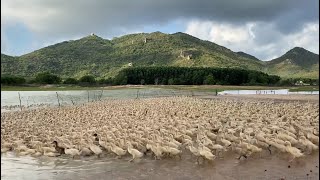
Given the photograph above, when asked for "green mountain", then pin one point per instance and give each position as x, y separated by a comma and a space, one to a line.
105, 58
245, 55
298, 62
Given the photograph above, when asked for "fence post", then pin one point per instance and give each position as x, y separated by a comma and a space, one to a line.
72, 102
58, 99
101, 95
20, 101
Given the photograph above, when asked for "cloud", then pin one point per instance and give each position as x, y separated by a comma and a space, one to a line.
235, 21
308, 37
226, 34
59, 16
257, 38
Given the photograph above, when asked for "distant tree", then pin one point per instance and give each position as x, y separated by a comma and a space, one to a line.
273, 79
209, 80
87, 79
182, 79
70, 81
101, 81
121, 79
194, 76
197, 78
142, 81
47, 78
252, 78
171, 81
164, 81
12, 80
31, 81
156, 81
177, 81
108, 81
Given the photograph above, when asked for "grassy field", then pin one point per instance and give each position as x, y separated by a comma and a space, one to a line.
306, 88
210, 88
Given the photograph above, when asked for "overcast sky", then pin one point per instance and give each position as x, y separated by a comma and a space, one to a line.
263, 28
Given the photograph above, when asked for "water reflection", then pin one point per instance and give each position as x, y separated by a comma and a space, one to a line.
266, 167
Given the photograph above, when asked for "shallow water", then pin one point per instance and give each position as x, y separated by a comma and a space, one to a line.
278, 91
32, 99
50, 97
265, 167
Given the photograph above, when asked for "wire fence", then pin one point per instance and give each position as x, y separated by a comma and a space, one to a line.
25, 100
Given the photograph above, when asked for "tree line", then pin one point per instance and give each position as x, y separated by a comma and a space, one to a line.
48, 78
194, 76
166, 76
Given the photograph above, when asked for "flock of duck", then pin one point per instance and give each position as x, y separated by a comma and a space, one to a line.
164, 128
13, 107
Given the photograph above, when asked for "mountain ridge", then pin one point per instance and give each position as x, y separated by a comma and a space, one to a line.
103, 57
295, 61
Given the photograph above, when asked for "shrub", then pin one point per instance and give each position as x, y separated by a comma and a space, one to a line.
70, 81
47, 78
87, 79
12, 80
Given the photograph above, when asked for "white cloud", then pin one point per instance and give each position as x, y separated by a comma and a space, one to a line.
55, 17
262, 28
256, 38
228, 35
308, 37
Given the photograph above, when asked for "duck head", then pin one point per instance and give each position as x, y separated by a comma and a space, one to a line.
55, 143
96, 137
